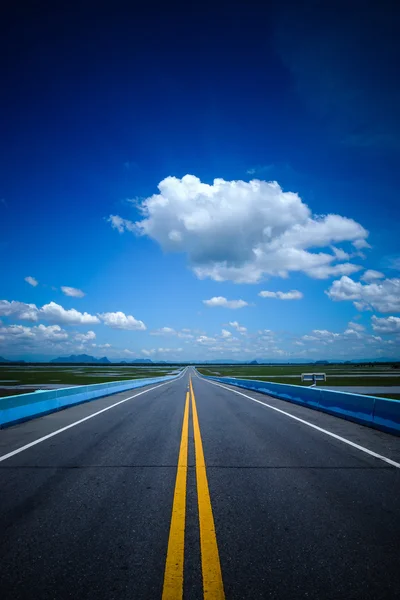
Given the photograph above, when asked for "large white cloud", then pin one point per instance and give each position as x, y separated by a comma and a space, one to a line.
224, 303
386, 325
242, 231
56, 313
119, 320
292, 295
50, 312
383, 296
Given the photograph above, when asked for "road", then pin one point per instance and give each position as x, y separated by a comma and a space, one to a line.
219, 493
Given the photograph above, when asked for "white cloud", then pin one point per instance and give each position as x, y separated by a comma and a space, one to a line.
356, 326
37, 333
56, 313
121, 225
85, 337
383, 296
292, 295
386, 325
203, 339
19, 310
104, 346
226, 334
118, 320
340, 253
361, 243
242, 330
393, 262
353, 332
170, 331
182, 335
70, 291
325, 271
324, 333
163, 331
149, 352
371, 275
242, 231
224, 303
31, 281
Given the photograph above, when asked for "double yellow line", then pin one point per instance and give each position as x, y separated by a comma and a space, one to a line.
213, 588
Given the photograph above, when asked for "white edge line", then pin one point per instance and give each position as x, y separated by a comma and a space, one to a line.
50, 435
334, 435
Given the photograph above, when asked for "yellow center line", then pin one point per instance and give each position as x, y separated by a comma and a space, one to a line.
213, 587
173, 576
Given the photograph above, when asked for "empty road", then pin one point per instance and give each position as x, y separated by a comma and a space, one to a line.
190, 489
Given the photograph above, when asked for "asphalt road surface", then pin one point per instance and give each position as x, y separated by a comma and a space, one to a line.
204, 491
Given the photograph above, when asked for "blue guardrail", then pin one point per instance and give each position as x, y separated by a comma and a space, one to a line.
381, 413
14, 409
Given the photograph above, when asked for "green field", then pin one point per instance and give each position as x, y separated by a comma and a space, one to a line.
376, 375
36, 375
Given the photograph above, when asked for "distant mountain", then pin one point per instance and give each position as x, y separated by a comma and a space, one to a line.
142, 361
81, 358
5, 360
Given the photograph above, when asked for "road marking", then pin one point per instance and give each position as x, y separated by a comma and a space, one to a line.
213, 587
334, 435
50, 435
173, 576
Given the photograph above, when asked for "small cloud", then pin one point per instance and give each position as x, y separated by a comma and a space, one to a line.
224, 303
356, 326
340, 254
121, 224
371, 275
226, 334
163, 331
238, 327
70, 291
118, 320
32, 281
392, 262
292, 295
361, 243
85, 337
259, 170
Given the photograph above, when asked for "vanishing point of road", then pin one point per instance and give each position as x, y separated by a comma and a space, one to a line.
192, 489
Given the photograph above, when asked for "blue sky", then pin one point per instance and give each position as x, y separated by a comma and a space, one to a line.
170, 166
